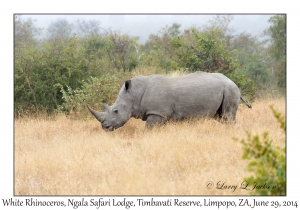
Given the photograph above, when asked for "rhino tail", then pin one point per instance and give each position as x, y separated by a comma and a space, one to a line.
248, 105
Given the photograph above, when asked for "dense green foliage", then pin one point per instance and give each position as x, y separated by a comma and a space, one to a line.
41, 70
94, 92
277, 31
157, 51
75, 64
267, 163
207, 52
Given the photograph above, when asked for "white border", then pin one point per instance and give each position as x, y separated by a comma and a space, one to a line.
6, 67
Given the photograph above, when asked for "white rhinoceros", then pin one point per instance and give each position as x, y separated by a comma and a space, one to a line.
157, 98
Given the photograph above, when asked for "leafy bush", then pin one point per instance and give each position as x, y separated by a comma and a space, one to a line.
245, 84
39, 70
267, 163
207, 52
203, 51
94, 92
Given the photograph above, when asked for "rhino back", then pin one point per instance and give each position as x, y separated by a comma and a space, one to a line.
194, 95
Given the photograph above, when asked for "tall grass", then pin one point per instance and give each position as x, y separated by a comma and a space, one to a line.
62, 156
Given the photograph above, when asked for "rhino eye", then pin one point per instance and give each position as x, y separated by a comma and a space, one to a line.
116, 111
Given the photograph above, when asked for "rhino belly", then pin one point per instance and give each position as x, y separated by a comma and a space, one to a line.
197, 109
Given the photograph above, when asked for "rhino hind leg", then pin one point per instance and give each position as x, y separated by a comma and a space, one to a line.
219, 113
229, 114
229, 107
153, 120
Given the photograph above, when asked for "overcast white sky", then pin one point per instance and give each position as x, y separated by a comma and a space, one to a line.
143, 25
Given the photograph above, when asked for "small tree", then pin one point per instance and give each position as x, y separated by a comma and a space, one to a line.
207, 52
254, 59
85, 28
94, 91
267, 163
25, 32
157, 51
60, 29
26, 55
121, 49
277, 48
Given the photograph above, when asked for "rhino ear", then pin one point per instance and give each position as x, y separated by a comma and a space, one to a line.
127, 85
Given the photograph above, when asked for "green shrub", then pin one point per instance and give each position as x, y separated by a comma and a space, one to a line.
267, 163
245, 84
206, 51
39, 69
94, 92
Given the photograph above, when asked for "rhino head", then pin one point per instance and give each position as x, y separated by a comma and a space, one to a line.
119, 113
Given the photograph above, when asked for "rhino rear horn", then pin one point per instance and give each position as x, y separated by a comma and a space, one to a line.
105, 107
98, 115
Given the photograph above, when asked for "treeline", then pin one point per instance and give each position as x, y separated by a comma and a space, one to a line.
78, 63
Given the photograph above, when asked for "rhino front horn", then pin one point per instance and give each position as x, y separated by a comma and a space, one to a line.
98, 115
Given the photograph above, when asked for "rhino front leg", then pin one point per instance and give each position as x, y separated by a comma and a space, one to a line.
153, 120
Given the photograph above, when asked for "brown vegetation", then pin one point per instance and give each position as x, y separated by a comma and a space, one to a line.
62, 156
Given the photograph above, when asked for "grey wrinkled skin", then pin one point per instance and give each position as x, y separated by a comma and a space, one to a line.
156, 99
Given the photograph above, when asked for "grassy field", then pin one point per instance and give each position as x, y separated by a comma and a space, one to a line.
62, 156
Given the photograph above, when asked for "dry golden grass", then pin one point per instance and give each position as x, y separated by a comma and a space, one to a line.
68, 157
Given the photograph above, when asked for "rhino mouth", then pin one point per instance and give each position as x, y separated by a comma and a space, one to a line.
108, 128
111, 128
